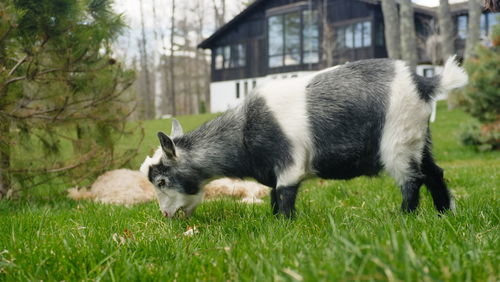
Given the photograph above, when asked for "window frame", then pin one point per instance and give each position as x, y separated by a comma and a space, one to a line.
281, 14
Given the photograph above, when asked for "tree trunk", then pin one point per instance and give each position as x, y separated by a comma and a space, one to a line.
446, 29
391, 28
149, 95
328, 39
408, 37
473, 30
5, 184
172, 78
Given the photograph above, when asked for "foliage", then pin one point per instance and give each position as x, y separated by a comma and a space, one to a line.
481, 98
345, 230
61, 102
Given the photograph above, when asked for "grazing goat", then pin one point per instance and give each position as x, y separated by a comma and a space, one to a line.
343, 122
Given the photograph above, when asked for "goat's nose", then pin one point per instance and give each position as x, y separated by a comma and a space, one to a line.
165, 213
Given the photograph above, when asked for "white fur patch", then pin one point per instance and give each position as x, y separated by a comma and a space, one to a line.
171, 201
405, 128
149, 161
287, 102
453, 76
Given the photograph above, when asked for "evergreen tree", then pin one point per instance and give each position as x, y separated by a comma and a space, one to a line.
61, 102
481, 98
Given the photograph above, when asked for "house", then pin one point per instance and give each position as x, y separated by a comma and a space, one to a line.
281, 39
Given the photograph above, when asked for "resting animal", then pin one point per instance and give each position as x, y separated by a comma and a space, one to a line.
350, 120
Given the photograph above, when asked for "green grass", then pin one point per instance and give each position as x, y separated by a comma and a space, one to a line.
345, 230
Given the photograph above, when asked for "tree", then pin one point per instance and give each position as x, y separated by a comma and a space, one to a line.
492, 5
391, 29
473, 29
446, 29
148, 93
172, 59
481, 97
408, 37
59, 88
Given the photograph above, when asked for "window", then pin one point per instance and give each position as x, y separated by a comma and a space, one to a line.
428, 72
482, 26
340, 37
462, 26
254, 84
310, 35
293, 38
276, 42
355, 35
245, 88
219, 58
367, 34
492, 21
358, 35
349, 37
237, 90
230, 56
227, 57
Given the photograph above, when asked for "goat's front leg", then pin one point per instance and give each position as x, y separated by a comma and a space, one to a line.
283, 200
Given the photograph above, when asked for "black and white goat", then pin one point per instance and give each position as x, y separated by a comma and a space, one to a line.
343, 122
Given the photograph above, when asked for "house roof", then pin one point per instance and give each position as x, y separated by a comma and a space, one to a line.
256, 4
206, 43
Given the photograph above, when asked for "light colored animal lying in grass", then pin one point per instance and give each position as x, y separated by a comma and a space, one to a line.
127, 187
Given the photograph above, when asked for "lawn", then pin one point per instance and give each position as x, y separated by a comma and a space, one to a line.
344, 230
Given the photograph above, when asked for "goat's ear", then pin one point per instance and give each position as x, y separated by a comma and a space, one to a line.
176, 129
167, 145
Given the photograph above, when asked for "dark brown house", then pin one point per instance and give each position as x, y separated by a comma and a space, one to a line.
277, 39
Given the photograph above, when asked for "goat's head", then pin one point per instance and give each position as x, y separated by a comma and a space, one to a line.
177, 183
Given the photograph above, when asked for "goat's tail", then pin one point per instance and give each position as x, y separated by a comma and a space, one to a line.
453, 76
79, 194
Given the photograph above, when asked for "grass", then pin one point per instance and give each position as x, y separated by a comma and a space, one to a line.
345, 230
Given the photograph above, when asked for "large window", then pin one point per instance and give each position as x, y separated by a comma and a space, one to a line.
355, 35
310, 35
486, 24
232, 56
285, 32
462, 26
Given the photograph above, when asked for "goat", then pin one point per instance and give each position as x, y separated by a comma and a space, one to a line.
350, 120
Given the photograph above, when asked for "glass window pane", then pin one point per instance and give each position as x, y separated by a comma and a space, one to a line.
227, 56
292, 38
310, 35
358, 35
462, 26
276, 61
349, 38
219, 58
275, 35
367, 34
340, 37
492, 21
234, 56
241, 55
483, 25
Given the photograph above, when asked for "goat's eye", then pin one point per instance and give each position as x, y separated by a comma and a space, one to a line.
161, 183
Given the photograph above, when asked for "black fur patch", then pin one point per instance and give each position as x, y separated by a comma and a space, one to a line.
346, 108
426, 86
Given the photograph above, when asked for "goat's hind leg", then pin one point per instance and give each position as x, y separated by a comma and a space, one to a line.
411, 194
434, 180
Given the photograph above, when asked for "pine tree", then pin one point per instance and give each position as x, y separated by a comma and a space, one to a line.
60, 88
481, 98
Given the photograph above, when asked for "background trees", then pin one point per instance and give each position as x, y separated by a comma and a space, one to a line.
61, 92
